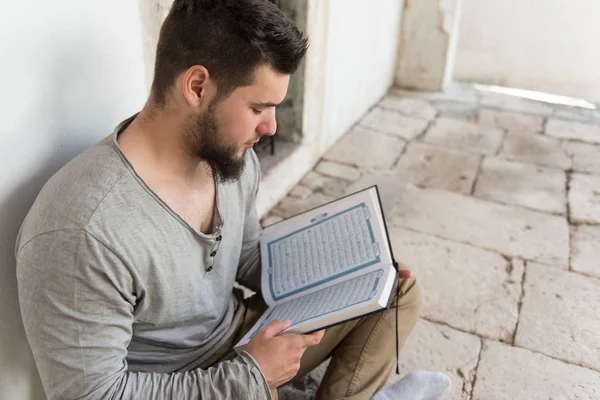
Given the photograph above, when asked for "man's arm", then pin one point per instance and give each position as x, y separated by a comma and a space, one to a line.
77, 300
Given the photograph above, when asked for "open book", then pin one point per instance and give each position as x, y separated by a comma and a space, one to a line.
327, 266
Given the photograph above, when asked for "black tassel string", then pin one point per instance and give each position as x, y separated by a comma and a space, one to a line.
397, 299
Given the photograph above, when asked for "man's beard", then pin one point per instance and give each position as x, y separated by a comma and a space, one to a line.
202, 139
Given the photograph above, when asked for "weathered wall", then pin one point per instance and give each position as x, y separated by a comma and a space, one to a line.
427, 43
546, 45
69, 73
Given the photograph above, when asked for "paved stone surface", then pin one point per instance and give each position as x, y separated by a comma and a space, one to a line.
270, 220
337, 170
482, 298
527, 185
366, 148
559, 316
586, 157
502, 272
317, 183
577, 114
435, 347
435, 167
414, 108
510, 121
539, 149
584, 199
394, 123
466, 136
573, 130
455, 92
291, 206
388, 184
509, 373
454, 109
512, 103
585, 249
314, 180
512, 231
301, 191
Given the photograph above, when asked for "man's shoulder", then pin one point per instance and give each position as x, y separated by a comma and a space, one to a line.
70, 197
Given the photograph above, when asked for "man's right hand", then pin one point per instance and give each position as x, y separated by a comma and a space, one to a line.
279, 356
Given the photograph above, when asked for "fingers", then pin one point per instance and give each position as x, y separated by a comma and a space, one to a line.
313, 339
276, 327
405, 274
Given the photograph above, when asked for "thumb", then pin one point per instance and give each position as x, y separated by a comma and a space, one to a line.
405, 274
276, 327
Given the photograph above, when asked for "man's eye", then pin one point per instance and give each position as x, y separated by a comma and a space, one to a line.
257, 112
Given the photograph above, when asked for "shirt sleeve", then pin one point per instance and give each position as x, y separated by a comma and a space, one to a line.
77, 301
249, 268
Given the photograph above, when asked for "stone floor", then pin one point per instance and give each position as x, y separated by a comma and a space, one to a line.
494, 202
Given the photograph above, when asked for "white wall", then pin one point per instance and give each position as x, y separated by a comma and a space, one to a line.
545, 45
70, 71
355, 66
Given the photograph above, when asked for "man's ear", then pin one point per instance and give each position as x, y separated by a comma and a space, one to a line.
195, 86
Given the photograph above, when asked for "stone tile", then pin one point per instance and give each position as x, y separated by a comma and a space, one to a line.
526, 185
394, 123
509, 373
317, 183
366, 148
290, 206
314, 180
577, 114
513, 103
512, 231
388, 184
301, 191
435, 347
559, 316
456, 109
510, 121
270, 220
562, 129
532, 147
584, 199
585, 249
414, 108
456, 92
337, 170
586, 157
465, 287
462, 135
435, 167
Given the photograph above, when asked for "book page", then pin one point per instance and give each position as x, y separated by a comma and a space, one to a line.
320, 246
328, 305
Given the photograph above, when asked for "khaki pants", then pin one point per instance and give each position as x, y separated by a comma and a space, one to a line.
362, 351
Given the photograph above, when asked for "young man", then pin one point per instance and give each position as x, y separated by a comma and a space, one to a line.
127, 260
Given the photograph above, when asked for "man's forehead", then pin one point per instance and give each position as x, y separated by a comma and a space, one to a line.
269, 84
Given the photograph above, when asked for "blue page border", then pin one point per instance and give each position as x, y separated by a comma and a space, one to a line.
271, 243
379, 272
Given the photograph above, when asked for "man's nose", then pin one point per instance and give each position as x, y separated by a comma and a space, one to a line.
269, 126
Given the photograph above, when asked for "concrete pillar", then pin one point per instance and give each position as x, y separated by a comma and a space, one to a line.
427, 44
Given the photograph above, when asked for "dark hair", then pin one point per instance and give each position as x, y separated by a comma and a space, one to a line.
228, 37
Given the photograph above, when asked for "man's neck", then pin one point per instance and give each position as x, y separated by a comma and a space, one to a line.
153, 144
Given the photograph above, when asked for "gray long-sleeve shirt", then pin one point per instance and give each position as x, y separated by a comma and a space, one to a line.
121, 298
